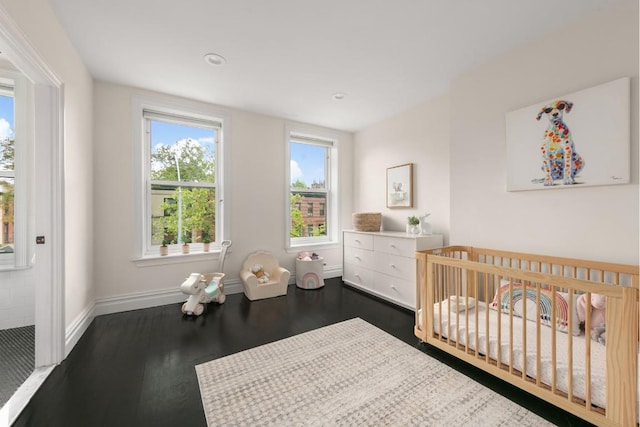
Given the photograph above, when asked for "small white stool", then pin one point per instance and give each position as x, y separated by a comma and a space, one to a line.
310, 274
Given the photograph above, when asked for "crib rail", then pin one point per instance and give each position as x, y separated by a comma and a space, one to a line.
480, 276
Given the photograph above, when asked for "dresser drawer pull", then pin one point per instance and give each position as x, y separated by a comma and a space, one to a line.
357, 241
392, 245
393, 266
357, 257
393, 287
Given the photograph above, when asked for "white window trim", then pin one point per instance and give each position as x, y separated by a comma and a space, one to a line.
23, 255
332, 207
145, 256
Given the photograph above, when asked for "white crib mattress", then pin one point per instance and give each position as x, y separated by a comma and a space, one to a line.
598, 351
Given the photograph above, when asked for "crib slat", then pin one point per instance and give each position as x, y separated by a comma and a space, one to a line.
570, 336
456, 291
486, 324
538, 365
477, 326
523, 323
587, 350
554, 364
499, 358
510, 327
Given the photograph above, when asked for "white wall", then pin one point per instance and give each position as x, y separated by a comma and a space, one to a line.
257, 145
420, 136
457, 142
40, 26
598, 223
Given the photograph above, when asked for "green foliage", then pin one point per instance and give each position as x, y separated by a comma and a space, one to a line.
198, 204
198, 213
7, 154
195, 163
413, 220
297, 220
320, 231
6, 201
298, 184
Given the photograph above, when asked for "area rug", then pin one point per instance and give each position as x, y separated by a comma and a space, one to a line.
17, 359
348, 374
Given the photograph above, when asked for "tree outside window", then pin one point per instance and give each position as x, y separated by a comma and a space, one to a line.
183, 187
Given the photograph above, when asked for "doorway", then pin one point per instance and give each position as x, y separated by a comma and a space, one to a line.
40, 264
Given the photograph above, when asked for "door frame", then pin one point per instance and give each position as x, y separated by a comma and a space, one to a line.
48, 90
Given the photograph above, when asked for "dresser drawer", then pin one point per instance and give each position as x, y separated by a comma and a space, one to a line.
357, 275
359, 257
402, 291
357, 240
396, 266
395, 246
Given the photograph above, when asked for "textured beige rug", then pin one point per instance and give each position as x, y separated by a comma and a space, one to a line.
348, 374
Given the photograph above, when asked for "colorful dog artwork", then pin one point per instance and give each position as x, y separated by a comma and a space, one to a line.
560, 161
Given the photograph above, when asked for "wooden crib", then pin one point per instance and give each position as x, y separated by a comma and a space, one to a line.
513, 315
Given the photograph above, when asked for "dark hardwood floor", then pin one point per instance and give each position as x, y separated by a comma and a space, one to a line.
137, 368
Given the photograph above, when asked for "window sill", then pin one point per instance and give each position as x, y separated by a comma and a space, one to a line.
152, 260
11, 267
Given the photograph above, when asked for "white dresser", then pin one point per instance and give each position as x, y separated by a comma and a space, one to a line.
383, 263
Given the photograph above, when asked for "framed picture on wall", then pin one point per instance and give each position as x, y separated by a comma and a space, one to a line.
574, 140
400, 186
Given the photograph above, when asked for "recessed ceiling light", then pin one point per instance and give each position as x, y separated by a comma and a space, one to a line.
339, 96
214, 59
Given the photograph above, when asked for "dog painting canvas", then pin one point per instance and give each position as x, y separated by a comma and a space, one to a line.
571, 141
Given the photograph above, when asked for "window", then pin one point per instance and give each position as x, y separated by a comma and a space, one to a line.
312, 185
7, 172
181, 191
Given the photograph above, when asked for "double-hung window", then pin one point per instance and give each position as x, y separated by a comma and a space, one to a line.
182, 180
7, 173
16, 171
312, 189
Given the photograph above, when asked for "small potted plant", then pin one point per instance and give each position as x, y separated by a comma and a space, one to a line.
206, 242
412, 224
186, 239
164, 248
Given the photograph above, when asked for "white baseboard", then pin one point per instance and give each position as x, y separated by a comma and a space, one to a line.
329, 272
151, 299
77, 328
333, 271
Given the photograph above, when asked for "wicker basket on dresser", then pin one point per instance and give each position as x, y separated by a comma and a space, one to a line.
383, 263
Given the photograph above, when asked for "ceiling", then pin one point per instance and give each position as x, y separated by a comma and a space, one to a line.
287, 58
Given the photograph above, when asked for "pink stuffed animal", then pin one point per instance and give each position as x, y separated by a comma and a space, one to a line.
598, 309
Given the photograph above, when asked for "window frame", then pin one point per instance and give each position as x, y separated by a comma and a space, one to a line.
184, 113
22, 93
320, 137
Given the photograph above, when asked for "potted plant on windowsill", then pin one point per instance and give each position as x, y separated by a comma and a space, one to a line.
164, 248
185, 244
206, 242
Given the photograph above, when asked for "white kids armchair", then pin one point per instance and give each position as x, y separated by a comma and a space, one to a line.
263, 277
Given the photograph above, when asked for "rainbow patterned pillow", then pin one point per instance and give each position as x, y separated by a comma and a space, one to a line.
527, 295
